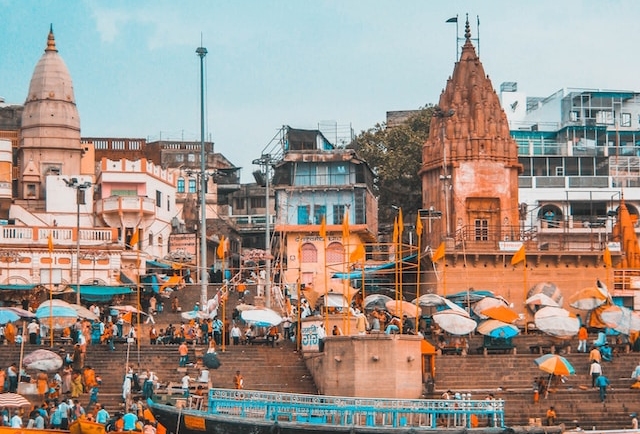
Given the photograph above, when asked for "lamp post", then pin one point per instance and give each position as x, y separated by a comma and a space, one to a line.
202, 52
445, 177
266, 161
80, 200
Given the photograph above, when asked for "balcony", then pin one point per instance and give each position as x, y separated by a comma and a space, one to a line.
252, 223
119, 205
62, 237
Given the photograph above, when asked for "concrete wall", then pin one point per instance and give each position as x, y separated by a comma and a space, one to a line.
374, 365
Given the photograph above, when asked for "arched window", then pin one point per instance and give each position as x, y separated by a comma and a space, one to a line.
309, 253
335, 253
180, 187
192, 185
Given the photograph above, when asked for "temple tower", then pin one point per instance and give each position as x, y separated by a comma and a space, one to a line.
470, 162
50, 133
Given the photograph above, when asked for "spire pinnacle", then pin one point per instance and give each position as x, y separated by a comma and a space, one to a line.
467, 31
51, 40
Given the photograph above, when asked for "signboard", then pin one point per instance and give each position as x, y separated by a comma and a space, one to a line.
309, 333
182, 247
510, 246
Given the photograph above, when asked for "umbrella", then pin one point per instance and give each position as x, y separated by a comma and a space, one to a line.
554, 364
43, 360
486, 303
8, 315
127, 308
541, 299
335, 300
556, 321
13, 400
193, 314
59, 314
261, 317
431, 300
588, 298
621, 319
407, 308
497, 329
454, 322
85, 313
211, 360
549, 289
502, 313
376, 300
22, 312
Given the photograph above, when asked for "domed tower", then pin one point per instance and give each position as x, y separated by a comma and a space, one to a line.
50, 132
470, 162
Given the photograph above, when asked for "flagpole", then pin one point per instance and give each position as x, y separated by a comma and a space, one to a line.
346, 238
299, 288
50, 244
400, 266
326, 283
419, 235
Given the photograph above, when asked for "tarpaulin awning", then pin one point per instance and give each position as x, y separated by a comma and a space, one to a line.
370, 270
100, 292
126, 279
23, 287
156, 264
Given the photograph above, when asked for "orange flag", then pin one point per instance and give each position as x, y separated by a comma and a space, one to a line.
50, 242
220, 250
323, 228
345, 227
419, 226
400, 225
357, 254
135, 238
126, 317
520, 256
395, 230
606, 257
439, 253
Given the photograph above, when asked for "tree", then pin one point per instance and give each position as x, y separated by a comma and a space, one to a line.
395, 156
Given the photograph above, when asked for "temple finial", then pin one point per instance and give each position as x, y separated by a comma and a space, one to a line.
467, 30
51, 40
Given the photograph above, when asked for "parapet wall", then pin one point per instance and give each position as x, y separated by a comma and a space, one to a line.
374, 365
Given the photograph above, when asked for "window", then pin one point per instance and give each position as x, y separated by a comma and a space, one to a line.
338, 214
309, 253
303, 214
625, 120
168, 203
239, 203
191, 158
180, 187
150, 238
335, 253
158, 198
192, 185
258, 202
319, 211
481, 230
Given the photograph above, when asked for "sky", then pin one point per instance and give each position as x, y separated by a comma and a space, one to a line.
335, 64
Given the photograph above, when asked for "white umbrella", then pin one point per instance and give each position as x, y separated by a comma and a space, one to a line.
43, 360
335, 300
261, 317
556, 321
541, 299
376, 300
127, 308
621, 319
453, 322
431, 300
85, 313
13, 400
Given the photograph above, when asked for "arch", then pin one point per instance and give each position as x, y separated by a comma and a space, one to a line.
309, 253
551, 214
335, 253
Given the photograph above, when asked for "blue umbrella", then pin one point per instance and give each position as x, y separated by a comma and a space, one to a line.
60, 315
497, 329
8, 315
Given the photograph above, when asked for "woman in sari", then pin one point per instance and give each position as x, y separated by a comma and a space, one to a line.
10, 333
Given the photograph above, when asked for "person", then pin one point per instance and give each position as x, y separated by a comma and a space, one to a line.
322, 334
634, 421
238, 380
64, 409
93, 395
336, 331
595, 370
361, 323
175, 306
636, 373
272, 335
127, 386
583, 336
602, 382
102, 415
12, 374
241, 288
595, 355
183, 351
42, 383
185, 382
551, 416
33, 329
16, 420
236, 334
217, 330
149, 428
286, 327
393, 326
149, 384
129, 421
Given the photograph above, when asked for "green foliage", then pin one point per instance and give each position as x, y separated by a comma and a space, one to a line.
395, 156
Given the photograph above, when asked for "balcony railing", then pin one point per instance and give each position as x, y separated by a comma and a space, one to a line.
116, 204
61, 236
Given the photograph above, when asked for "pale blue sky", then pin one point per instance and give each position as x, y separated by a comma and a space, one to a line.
300, 63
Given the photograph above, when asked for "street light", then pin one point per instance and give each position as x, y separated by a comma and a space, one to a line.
266, 161
202, 52
445, 177
80, 200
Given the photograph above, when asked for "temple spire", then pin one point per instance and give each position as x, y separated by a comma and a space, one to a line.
51, 40
467, 31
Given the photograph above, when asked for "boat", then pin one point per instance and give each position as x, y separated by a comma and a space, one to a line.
84, 426
10, 430
231, 411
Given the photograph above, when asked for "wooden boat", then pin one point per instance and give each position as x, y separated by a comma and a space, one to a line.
83, 426
255, 412
9, 430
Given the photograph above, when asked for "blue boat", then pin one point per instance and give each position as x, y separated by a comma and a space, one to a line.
231, 411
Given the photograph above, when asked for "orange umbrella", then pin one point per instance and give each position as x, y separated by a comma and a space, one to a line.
501, 313
588, 298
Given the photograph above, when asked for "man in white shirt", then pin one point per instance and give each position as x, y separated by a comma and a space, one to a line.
16, 420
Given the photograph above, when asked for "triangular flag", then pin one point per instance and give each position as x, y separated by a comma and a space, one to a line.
357, 254
419, 226
323, 228
400, 225
126, 317
135, 238
439, 253
220, 249
520, 256
50, 241
345, 227
394, 238
606, 257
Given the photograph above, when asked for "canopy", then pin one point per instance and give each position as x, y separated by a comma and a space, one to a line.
371, 270
100, 292
261, 317
18, 287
